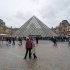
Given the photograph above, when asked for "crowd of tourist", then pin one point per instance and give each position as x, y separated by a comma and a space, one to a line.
13, 39
30, 45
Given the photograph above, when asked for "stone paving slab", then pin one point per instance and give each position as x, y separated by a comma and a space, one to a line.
50, 57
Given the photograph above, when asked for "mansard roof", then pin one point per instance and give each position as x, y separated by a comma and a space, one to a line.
65, 22
1, 21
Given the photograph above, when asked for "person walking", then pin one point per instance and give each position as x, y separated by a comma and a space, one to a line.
69, 40
13, 39
20, 41
0, 40
54, 40
6, 40
28, 48
9, 39
36, 40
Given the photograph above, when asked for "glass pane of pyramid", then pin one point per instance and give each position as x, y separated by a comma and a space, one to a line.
34, 27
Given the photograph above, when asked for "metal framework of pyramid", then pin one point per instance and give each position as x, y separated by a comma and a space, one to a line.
34, 27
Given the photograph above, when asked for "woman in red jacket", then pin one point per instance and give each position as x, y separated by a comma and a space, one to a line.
28, 48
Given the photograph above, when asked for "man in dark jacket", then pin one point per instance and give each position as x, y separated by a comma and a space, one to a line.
36, 40
28, 48
13, 39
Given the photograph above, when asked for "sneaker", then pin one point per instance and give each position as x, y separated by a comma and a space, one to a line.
24, 58
35, 58
30, 58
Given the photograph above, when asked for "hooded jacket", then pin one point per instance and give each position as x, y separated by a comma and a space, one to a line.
28, 44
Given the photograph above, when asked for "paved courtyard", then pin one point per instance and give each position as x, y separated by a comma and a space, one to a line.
50, 57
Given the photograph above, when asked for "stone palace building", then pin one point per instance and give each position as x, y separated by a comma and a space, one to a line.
63, 29
6, 30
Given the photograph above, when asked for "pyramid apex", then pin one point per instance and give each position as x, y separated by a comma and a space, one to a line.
34, 16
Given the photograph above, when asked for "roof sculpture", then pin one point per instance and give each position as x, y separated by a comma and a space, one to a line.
34, 27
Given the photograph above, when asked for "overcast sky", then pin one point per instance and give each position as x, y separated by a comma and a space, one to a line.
51, 12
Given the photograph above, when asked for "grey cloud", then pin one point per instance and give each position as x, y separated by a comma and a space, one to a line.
55, 8
21, 16
52, 12
18, 19
34, 1
56, 11
6, 18
9, 20
48, 13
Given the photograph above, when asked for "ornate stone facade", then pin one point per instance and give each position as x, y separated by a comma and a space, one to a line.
6, 30
63, 29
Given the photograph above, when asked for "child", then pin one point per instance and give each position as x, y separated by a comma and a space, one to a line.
33, 50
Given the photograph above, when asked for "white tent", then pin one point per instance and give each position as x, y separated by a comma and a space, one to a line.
3, 34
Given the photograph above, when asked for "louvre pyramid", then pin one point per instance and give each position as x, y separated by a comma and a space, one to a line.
34, 27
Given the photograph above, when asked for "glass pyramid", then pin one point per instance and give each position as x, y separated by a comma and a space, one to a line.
34, 27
